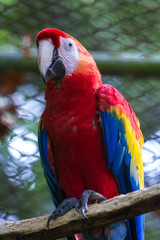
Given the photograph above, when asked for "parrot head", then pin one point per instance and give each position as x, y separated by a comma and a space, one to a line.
60, 55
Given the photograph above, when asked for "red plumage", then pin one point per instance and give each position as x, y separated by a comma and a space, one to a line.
71, 120
110, 96
51, 33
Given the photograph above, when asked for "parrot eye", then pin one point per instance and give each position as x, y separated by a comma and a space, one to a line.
69, 53
68, 44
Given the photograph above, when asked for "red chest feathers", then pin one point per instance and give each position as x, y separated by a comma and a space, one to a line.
79, 153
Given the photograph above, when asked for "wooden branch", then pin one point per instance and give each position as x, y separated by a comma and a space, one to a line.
104, 213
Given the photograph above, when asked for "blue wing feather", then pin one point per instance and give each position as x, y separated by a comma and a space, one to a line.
110, 131
118, 163
119, 160
53, 185
127, 158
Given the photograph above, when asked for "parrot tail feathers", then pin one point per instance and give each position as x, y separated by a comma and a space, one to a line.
116, 231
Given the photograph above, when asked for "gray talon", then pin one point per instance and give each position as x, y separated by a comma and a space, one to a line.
89, 197
77, 206
63, 208
83, 213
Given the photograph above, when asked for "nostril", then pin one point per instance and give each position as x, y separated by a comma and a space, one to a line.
55, 52
55, 55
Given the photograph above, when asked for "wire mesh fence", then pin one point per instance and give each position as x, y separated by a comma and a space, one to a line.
109, 26
112, 26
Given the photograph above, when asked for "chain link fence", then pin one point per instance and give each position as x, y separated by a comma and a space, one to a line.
113, 27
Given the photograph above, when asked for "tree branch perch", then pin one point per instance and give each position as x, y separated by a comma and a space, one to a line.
104, 213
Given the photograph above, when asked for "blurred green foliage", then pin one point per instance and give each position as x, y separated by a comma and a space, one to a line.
113, 26
22, 183
8, 2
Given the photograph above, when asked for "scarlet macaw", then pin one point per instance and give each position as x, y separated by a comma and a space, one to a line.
89, 136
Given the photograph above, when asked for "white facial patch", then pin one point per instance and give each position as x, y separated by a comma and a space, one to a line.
69, 54
45, 52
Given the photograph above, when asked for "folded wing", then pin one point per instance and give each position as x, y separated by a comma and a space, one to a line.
46, 150
123, 143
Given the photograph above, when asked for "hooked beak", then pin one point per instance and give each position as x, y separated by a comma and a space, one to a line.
56, 69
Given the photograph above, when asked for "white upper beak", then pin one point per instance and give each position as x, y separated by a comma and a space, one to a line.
45, 52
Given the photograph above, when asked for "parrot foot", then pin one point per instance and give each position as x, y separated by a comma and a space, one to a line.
62, 208
88, 197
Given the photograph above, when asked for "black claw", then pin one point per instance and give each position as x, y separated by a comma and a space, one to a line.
83, 213
49, 219
88, 197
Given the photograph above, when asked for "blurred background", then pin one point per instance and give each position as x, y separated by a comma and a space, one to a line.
124, 38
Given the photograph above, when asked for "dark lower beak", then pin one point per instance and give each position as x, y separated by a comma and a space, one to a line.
56, 70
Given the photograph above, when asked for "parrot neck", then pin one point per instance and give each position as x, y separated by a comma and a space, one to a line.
72, 87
